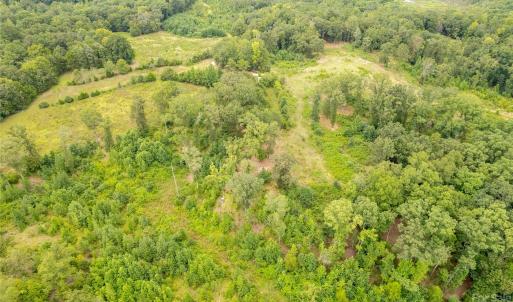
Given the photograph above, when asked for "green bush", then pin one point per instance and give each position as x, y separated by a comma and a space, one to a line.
150, 77
267, 80
203, 77
83, 96
68, 99
12, 177
202, 270
44, 105
212, 32
168, 75
95, 93
206, 54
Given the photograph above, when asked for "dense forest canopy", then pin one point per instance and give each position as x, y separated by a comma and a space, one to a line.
256, 150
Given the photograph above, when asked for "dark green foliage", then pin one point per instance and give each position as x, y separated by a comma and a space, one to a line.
150, 77
284, 112
138, 115
316, 109
38, 73
196, 58
14, 96
242, 54
282, 170
83, 96
267, 254
204, 77
268, 80
203, 269
212, 32
158, 62
425, 208
118, 47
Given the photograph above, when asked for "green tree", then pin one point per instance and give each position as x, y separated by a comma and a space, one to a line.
138, 115
192, 157
245, 187
162, 97
109, 68
338, 215
282, 170
20, 133
14, 96
108, 140
39, 73
122, 66
118, 48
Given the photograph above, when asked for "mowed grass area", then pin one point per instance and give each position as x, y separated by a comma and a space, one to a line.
47, 126
168, 46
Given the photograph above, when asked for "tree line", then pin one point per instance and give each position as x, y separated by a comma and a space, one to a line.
41, 40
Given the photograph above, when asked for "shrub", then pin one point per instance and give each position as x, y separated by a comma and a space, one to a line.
83, 96
150, 77
212, 32
12, 177
123, 67
168, 75
95, 93
161, 62
68, 99
203, 77
202, 270
44, 105
206, 54
268, 79
266, 176
267, 254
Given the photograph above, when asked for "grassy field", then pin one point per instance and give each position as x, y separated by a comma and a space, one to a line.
48, 125
168, 46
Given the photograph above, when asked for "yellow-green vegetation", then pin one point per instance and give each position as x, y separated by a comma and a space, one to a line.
168, 46
48, 126
323, 151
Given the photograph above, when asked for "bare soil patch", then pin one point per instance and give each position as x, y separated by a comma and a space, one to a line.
346, 110
326, 123
393, 233
460, 290
260, 165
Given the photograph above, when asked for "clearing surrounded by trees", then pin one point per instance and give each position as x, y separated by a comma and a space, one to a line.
259, 150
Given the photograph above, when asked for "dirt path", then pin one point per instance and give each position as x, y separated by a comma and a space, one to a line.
296, 141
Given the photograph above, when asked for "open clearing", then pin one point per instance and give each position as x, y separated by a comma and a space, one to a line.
168, 46
47, 126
